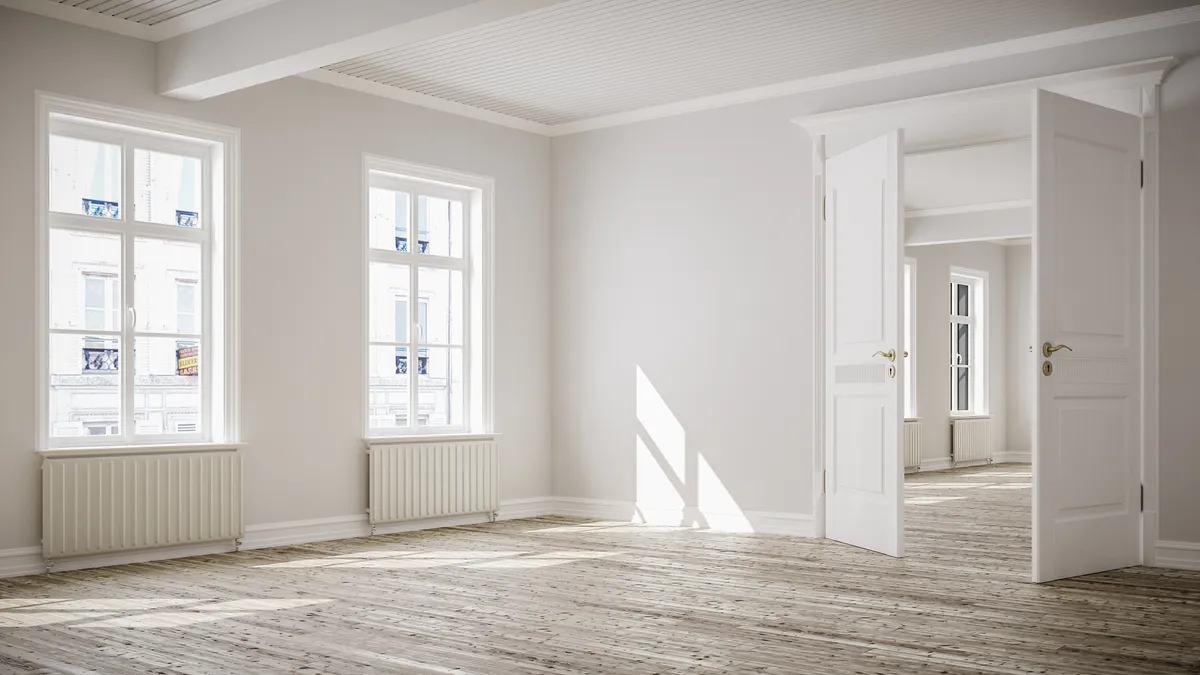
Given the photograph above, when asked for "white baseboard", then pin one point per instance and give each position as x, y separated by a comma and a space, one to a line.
1180, 555
1013, 457
140, 556
936, 464
295, 532
761, 522
19, 562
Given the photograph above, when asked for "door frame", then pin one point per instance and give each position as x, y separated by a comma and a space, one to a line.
1148, 83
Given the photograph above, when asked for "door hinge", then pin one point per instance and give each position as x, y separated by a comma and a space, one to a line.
1143, 504
824, 208
1143, 175
824, 475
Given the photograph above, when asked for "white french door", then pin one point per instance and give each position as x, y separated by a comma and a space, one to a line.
864, 233
1087, 253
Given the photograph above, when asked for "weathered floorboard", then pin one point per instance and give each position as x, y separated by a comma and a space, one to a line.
553, 595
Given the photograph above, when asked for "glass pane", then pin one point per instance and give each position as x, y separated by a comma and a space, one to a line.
166, 286
167, 188
387, 387
963, 343
166, 388
441, 308
85, 385
389, 219
85, 280
440, 226
388, 291
440, 389
962, 389
962, 299
85, 177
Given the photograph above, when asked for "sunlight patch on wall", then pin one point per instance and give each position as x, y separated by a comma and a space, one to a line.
717, 507
661, 457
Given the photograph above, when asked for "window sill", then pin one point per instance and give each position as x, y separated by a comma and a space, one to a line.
116, 450
429, 438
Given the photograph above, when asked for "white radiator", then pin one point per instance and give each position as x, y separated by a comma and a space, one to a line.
912, 444
124, 502
428, 480
971, 440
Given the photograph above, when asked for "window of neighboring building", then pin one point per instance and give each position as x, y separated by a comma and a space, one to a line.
910, 333
425, 299
136, 236
967, 344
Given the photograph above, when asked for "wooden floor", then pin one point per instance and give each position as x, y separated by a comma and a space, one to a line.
559, 596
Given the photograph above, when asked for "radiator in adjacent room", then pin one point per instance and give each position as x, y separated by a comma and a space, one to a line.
912, 444
95, 504
971, 440
429, 480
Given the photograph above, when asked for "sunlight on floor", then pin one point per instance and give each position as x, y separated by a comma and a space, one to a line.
393, 559
114, 612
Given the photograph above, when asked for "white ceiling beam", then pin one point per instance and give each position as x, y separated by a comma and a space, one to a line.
295, 36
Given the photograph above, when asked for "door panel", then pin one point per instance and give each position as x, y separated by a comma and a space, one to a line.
864, 229
1087, 254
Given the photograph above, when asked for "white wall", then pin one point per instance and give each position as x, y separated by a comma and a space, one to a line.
646, 274
1022, 362
1179, 279
933, 339
680, 263
301, 246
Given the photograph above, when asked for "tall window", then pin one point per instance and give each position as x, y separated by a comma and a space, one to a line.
133, 240
426, 359
967, 357
910, 332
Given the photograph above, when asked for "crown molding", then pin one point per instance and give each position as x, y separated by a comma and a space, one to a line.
205, 16
424, 100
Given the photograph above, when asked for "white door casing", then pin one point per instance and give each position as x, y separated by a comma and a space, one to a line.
864, 231
1087, 290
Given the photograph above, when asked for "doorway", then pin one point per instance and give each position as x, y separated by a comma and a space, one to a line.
1086, 209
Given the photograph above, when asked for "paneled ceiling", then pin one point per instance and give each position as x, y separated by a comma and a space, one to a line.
585, 59
146, 12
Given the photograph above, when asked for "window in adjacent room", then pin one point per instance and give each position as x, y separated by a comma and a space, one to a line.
967, 346
426, 362
136, 304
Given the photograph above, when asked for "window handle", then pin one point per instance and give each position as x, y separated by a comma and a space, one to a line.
133, 316
1048, 349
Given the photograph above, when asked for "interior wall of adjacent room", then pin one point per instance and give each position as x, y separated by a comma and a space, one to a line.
1022, 359
933, 339
302, 332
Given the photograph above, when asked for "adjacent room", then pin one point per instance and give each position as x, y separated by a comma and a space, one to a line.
599, 336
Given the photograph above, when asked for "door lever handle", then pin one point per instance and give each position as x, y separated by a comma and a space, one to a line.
1048, 349
890, 355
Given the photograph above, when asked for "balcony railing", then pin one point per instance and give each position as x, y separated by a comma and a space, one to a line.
101, 359
402, 245
402, 362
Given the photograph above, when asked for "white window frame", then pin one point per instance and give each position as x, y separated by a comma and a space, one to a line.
476, 193
217, 148
977, 370
910, 339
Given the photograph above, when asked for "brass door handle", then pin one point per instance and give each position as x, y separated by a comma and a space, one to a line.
1048, 349
890, 355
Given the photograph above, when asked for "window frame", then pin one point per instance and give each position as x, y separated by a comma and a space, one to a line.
977, 370
217, 313
476, 194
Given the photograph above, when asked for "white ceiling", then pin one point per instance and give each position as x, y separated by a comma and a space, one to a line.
585, 59
147, 12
